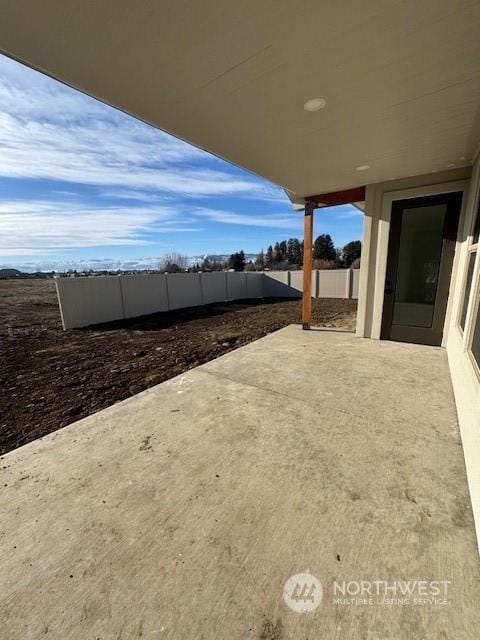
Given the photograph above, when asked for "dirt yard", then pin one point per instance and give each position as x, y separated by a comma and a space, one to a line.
49, 377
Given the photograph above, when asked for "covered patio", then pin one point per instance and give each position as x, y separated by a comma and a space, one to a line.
182, 512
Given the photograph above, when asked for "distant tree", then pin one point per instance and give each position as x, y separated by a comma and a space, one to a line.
351, 252
283, 249
260, 260
172, 267
294, 253
237, 261
339, 261
277, 253
173, 263
318, 263
290, 250
212, 263
323, 248
250, 266
269, 257
218, 265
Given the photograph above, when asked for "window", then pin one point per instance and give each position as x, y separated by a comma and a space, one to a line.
472, 254
468, 286
475, 348
476, 229
472, 292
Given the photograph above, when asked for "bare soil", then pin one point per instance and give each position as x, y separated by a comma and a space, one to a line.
50, 378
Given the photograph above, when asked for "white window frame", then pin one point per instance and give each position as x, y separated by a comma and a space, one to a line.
472, 248
473, 308
475, 312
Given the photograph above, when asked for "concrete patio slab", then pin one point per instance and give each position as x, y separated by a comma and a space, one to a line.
182, 512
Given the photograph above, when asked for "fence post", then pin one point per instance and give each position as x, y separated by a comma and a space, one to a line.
120, 281
316, 285
167, 291
200, 284
348, 290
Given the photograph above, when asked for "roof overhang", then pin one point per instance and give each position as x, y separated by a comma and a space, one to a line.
401, 80
335, 198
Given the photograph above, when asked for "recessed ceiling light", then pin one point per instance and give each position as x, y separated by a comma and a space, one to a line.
363, 167
314, 104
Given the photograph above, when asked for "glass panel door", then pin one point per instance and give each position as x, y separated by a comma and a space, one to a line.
421, 240
420, 256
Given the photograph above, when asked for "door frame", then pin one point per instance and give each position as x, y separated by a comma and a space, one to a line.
383, 234
410, 333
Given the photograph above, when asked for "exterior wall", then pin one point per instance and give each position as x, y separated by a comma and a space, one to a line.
466, 382
466, 387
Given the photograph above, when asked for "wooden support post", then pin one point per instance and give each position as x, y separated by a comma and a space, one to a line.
307, 266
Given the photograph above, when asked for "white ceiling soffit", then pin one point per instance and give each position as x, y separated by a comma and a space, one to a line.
401, 78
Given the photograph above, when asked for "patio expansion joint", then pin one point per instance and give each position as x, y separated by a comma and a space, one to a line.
398, 421
312, 403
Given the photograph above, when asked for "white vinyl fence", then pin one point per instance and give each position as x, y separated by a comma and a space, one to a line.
328, 283
92, 300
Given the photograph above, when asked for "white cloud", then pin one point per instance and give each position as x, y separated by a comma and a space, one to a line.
51, 132
33, 228
280, 221
134, 194
97, 264
98, 155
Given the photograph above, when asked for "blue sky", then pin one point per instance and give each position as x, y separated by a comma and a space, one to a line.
80, 181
